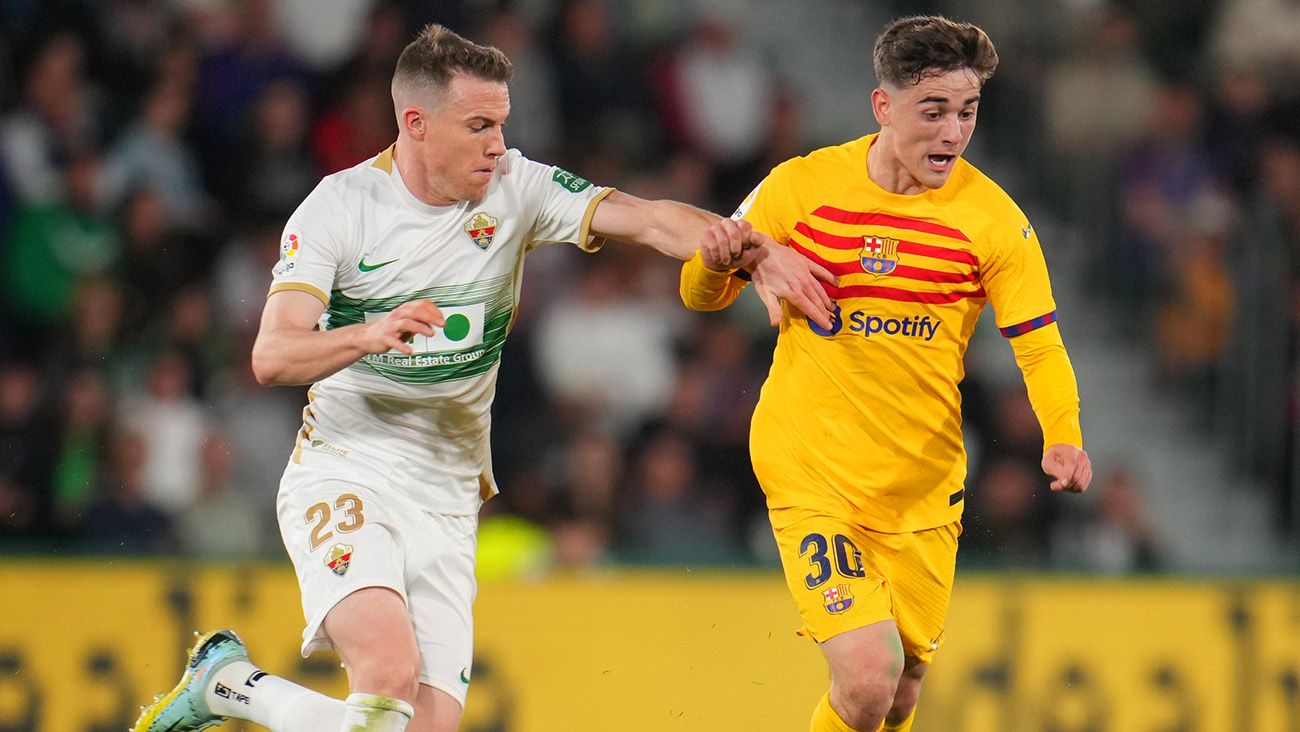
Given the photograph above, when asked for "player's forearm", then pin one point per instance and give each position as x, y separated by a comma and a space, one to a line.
675, 228
1049, 380
292, 356
706, 289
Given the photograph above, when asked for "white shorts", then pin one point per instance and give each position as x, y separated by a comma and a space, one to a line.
346, 533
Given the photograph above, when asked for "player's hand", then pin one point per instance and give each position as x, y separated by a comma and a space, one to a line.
393, 331
723, 247
1069, 466
781, 273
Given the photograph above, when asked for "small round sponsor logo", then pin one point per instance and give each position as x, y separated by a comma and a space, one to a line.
457, 327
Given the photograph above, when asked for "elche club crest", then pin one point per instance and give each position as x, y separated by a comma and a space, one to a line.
837, 599
879, 255
481, 228
339, 558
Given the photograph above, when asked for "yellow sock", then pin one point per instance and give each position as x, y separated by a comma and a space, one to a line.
825, 718
903, 726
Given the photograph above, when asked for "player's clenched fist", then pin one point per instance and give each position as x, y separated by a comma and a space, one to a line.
723, 246
1069, 466
394, 331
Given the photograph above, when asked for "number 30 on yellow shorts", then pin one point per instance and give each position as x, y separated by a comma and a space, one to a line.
844, 576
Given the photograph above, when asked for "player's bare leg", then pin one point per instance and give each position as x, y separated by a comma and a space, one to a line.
435, 711
371, 631
866, 664
899, 718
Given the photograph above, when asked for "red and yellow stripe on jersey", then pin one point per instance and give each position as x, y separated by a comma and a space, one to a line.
864, 419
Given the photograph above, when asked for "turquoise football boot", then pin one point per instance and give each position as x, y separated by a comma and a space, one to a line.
183, 709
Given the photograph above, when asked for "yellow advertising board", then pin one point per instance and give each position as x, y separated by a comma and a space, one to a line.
82, 645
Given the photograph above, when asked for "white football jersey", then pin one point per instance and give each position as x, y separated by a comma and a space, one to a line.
363, 244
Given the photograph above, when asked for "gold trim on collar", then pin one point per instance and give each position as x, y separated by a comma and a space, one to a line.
385, 160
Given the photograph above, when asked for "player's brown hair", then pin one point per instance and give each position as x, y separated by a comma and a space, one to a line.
918, 46
438, 53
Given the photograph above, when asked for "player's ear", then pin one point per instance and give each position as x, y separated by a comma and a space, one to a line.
880, 106
413, 122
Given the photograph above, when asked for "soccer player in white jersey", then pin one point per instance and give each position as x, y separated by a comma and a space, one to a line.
395, 289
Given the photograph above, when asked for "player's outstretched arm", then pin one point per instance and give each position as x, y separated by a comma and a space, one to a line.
290, 350
678, 230
669, 227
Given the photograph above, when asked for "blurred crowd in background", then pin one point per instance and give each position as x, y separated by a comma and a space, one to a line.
151, 150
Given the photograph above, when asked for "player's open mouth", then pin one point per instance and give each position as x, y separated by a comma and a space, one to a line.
940, 162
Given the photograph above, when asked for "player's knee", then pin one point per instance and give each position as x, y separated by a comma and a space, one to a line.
866, 692
862, 703
396, 675
908, 691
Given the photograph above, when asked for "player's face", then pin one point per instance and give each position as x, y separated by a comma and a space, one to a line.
925, 127
463, 138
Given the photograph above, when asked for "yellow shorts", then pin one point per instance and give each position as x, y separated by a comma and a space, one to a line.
844, 576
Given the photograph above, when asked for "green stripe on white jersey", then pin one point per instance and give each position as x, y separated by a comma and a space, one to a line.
469, 343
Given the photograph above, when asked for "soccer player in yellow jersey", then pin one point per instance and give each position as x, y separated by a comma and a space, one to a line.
856, 439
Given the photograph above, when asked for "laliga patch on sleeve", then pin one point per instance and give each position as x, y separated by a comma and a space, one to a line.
289, 246
746, 204
570, 182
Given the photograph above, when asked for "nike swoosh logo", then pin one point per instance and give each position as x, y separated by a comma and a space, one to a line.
372, 267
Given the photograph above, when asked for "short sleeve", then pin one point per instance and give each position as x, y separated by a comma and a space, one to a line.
1015, 277
564, 203
312, 245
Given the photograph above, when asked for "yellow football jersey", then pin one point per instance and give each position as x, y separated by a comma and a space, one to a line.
864, 419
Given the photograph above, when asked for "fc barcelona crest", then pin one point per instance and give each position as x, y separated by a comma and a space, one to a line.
481, 228
837, 599
879, 255
339, 558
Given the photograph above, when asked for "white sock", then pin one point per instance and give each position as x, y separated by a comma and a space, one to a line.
372, 713
311, 712
244, 691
